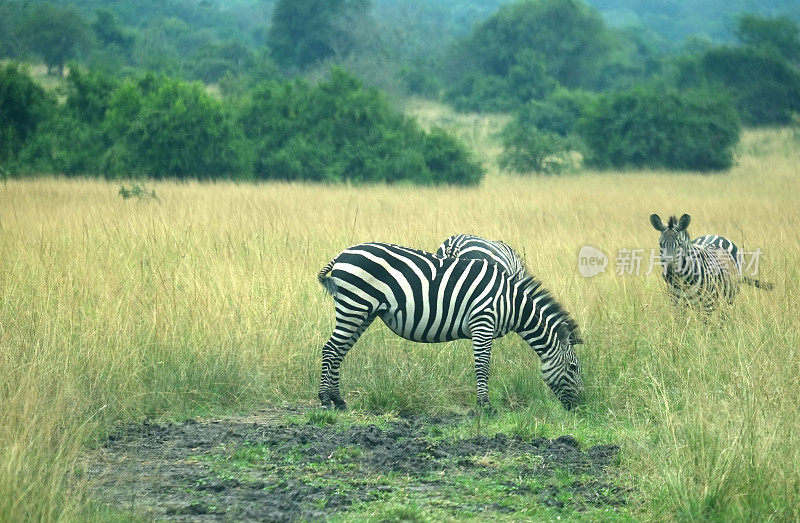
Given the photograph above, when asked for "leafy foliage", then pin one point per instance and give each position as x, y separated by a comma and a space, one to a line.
653, 128
304, 32
164, 127
154, 126
529, 47
543, 134
137, 191
780, 35
340, 131
56, 33
765, 88
24, 105
558, 114
529, 149
72, 139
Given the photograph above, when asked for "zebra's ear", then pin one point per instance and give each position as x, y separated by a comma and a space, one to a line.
683, 223
657, 224
562, 331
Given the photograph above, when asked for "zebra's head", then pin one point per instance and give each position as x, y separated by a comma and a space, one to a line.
552, 333
560, 367
674, 241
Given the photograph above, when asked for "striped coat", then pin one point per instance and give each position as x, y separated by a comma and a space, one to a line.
701, 274
476, 248
426, 298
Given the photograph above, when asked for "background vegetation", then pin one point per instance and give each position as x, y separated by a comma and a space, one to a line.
204, 299
548, 62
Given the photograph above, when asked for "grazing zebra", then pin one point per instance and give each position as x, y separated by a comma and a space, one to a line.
702, 272
477, 248
426, 298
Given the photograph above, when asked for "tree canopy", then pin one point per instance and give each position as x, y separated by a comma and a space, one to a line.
56, 33
305, 32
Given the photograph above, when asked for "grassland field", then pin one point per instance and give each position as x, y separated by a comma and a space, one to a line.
204, 303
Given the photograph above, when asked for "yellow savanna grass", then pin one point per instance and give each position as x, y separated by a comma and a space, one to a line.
206, 298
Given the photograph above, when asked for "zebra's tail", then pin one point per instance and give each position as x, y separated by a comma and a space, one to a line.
325, 280
758, 283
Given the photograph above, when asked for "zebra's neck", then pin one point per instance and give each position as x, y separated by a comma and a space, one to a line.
537, 313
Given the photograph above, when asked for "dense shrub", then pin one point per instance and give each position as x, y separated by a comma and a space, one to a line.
72, 140
780, 35
481, 91
764, 87
558, 113
24, 105
163, 127
653, 128
340, 131
529, 149
542, 136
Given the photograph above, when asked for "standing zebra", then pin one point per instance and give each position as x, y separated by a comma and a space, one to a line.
702, 272
725, 244
426, 298
477, 248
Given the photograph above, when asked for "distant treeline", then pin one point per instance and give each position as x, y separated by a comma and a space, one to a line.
157, 126
570, 80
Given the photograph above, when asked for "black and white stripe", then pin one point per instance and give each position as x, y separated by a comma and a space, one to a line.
476, 248
701, 273
725, 244
426, 298
720, 242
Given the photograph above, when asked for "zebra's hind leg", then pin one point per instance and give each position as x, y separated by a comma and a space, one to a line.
350, 325
482, 329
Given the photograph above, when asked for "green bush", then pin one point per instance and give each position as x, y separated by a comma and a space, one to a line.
558, 113
657, 128
336, 131
72, 140
780, 35
339, 131
162, 127
763, 85
23, 107
529, 149
542, 136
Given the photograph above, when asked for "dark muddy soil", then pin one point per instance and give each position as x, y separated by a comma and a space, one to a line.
264, 468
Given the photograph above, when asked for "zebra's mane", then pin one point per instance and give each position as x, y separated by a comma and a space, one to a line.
534, 289
673, 221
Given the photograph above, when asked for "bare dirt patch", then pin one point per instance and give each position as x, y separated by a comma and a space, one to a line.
278, 466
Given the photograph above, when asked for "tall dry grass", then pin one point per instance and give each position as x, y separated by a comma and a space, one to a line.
112, 310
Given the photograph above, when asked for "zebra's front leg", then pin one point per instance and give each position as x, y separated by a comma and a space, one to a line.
482, 334
333, 352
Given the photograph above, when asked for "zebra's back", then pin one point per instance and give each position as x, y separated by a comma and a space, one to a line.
720, 242
420, 296
473, 247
